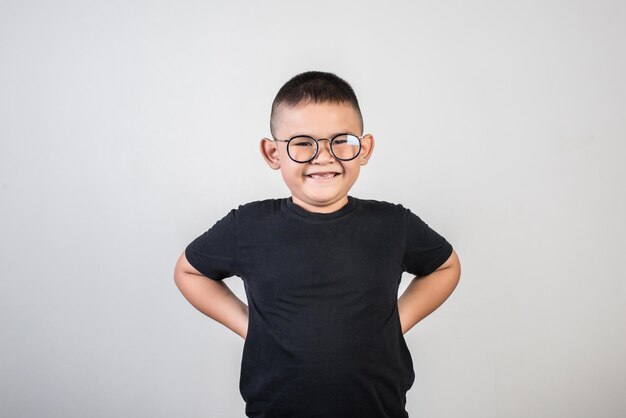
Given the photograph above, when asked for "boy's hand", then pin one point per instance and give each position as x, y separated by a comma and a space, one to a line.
425, 294
211, 297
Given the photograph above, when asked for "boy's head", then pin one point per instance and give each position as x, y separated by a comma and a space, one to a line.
321, 106
317, 87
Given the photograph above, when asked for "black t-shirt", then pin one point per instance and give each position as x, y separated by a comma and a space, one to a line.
324, 336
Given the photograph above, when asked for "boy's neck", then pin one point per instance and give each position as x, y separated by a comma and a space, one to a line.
329, 208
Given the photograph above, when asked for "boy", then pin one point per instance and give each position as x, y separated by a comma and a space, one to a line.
324, 329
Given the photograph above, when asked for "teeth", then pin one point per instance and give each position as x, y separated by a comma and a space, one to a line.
326, 176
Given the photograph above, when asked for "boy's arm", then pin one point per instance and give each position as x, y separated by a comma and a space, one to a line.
211, 297
426, 293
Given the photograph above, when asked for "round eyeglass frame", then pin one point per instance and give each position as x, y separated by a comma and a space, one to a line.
317, 146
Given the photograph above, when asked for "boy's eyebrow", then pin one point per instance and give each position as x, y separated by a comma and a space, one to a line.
330, 136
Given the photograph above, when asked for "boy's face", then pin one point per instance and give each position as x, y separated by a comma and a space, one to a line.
319, 120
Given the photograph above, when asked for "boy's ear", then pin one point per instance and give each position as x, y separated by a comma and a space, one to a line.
269, 151
367, 147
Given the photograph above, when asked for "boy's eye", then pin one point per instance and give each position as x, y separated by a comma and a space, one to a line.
340, 141
302, 142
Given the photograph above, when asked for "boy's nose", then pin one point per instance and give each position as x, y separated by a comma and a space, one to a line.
323, 153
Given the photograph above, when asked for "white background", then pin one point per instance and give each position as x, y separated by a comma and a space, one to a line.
128, 128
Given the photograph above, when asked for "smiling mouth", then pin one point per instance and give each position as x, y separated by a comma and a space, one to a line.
322, 176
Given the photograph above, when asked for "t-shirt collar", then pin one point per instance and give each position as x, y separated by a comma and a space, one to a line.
301, 212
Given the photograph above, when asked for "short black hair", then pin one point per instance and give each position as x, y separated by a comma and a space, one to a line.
316, 87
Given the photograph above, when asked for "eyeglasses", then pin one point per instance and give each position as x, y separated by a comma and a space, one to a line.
304, 148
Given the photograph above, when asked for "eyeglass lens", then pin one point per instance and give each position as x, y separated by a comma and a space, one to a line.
344, 147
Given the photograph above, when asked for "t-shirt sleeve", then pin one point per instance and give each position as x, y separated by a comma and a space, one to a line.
214, 253
425, 250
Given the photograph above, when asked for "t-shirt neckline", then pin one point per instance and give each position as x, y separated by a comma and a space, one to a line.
318, 216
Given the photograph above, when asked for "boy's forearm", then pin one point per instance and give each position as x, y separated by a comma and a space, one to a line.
214, 299
425, 294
